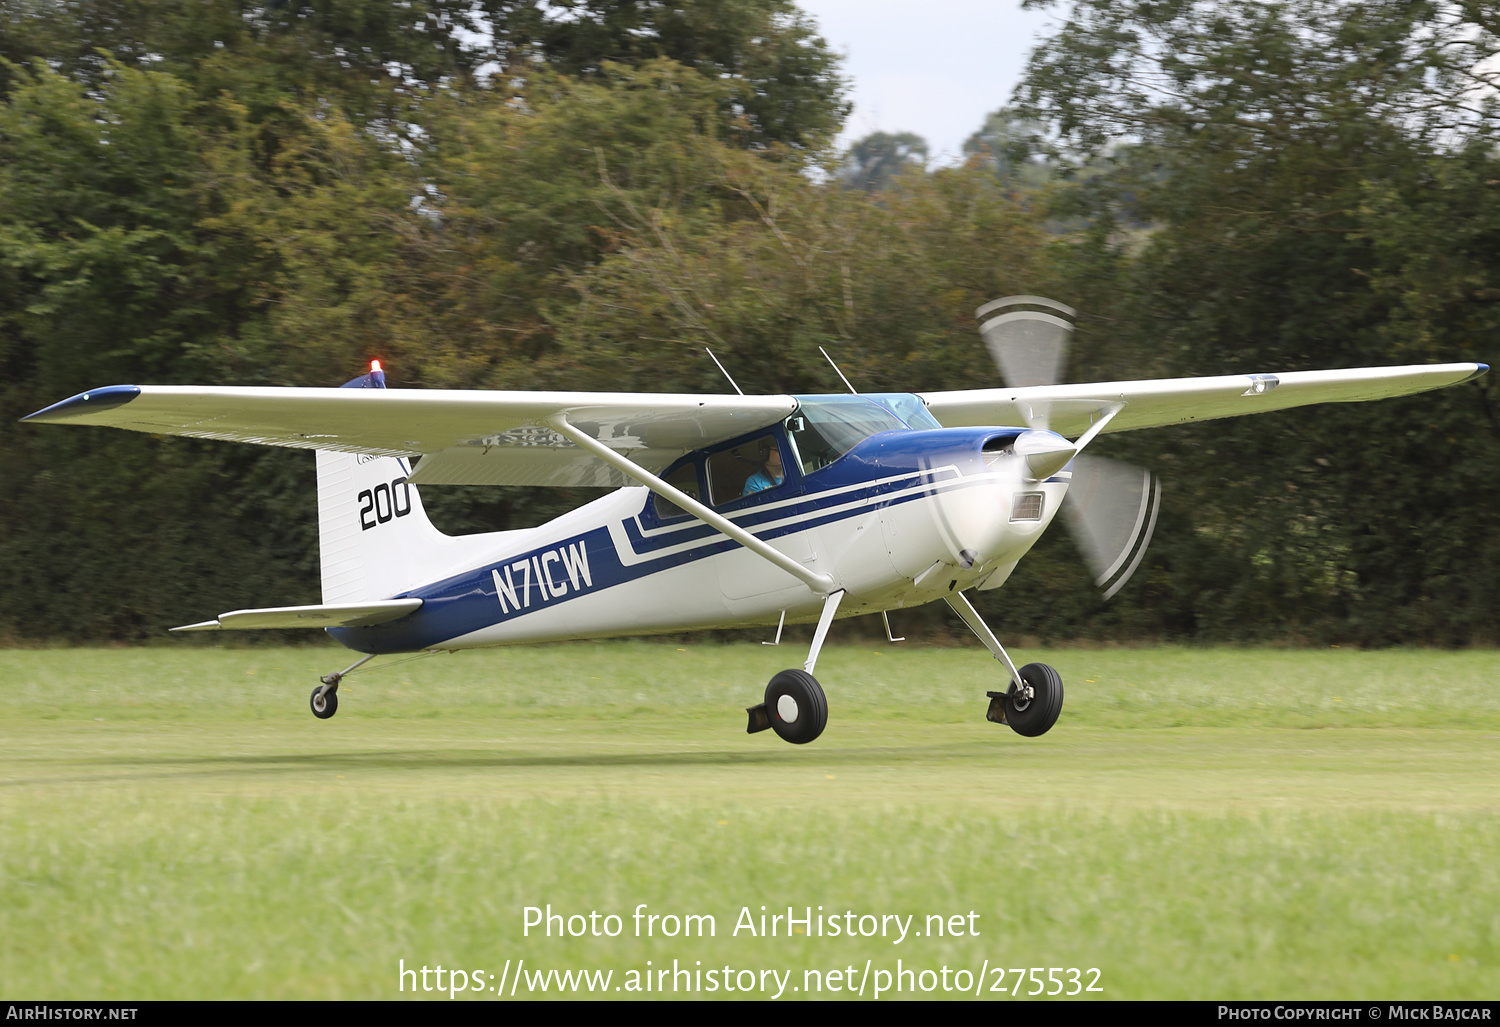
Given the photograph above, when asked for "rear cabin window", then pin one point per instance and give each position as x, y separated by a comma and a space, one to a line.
684, 479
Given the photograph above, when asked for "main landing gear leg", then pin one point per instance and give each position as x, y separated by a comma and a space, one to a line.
325, 698
1032, 703
795, 706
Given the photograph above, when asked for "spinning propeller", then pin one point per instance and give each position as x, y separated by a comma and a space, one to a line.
1111, 507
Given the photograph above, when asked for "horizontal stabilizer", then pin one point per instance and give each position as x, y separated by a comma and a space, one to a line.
340, 615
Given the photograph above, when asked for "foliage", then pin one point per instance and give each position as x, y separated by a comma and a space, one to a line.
383, 59
781, 80
585, 193
887, 289
225, 192
1010, 144
371, 58
874, 161
1312, 178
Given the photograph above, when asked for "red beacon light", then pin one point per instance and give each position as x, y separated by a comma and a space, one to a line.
375, 367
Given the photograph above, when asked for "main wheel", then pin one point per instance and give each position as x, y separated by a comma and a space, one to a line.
325, 705
1034, 716
797, 707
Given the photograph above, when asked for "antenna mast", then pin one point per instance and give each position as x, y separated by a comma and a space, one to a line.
721, 368
837, 371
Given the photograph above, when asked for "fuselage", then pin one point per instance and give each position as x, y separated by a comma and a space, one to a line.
899, 519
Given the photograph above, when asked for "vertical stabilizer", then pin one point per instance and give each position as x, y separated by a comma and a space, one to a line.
374, 538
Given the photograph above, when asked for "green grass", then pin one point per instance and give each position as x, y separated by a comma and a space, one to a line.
1200, 824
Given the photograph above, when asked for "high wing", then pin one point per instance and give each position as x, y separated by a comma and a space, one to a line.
510, 438
1069, 409
463, 438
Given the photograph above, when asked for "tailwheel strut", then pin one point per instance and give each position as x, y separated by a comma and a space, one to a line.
325, 698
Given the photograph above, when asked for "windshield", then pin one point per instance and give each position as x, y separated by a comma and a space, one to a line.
824, 428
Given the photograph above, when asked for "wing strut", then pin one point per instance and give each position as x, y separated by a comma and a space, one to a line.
819, 583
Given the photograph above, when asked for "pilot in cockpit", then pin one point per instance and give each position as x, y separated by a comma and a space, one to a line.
770, 475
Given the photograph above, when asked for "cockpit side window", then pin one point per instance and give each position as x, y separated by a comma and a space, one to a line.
685, 479
748, 468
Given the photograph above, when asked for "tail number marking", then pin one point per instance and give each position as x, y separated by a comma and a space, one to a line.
384, 502
513, 589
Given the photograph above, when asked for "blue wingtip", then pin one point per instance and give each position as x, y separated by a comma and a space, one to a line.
95, 399
1479, 370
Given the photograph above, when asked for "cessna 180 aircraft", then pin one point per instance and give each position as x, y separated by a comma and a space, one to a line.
733, 510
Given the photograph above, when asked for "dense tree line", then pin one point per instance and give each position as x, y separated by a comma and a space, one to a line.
519, 194
1321, 184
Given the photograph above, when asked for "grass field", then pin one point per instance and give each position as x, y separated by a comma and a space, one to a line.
1202, 823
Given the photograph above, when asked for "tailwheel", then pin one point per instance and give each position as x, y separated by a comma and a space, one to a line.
796, 706
324, 702
1031, 711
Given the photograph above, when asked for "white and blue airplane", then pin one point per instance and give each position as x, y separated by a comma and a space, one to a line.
733, 511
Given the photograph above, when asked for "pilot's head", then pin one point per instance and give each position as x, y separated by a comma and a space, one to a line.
770, 457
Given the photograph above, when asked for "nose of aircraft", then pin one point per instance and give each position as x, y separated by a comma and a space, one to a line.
1045, 452
1005, 515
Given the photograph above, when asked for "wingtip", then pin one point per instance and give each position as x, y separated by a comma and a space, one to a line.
94, 400
1479, 369
206, 625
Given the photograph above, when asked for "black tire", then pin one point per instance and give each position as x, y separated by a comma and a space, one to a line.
1035, 717
796, 694
329, 704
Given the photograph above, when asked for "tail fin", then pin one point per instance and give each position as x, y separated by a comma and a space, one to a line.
374, 538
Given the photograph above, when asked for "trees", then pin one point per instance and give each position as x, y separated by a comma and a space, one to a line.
254, 194
140, 243
1311, 174
787, 266
379, 59
1009, 144
370, 58
782, 84
1275, 186
875, 161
